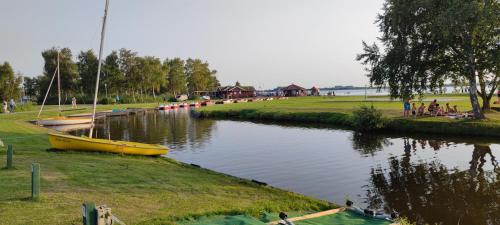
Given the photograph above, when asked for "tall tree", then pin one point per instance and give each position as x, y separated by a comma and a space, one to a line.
68, 70
87, 68
199, 76
113, 76
176, 76
130, 68
10, 84
30, 86
427, 42
213, 82
153, 73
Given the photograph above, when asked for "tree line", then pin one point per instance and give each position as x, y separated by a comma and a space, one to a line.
124, 73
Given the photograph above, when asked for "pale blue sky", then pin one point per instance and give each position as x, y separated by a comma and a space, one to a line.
265, 43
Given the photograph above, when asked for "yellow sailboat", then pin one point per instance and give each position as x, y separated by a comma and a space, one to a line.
69, 142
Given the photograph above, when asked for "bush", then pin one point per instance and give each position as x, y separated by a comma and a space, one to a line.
194, 97
107, 101
22, 107
367, 119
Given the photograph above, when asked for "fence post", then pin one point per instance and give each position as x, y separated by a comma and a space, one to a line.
35, 181
89, 213
10, 152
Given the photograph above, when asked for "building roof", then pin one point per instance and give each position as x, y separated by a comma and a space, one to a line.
293, 87
230, 88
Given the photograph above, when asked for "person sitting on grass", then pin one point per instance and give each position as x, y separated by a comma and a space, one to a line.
406, 106
440, 111
448, 108
421, 109
284, 219
433, 107
414, 109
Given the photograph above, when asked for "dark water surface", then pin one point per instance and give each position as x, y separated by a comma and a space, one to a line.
427, 179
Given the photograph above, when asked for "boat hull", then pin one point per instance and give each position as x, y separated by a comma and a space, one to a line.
66, 128
63, 121
69, 142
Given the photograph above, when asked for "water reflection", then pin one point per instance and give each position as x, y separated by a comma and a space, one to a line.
430, 192
173, 128
368, 143
430, 179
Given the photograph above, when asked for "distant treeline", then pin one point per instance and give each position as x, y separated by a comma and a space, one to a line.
124, 73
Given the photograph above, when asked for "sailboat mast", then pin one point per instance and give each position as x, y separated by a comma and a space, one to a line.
47, 94
99, 67
58, 82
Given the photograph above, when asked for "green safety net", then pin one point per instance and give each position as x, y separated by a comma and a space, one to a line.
345, 217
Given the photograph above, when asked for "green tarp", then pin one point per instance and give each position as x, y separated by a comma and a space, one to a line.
338, 218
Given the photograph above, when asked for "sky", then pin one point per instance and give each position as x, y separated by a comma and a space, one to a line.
264, 43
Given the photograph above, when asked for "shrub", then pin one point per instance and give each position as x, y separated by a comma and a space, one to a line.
367, 119
22, 107
194, 97
107, 101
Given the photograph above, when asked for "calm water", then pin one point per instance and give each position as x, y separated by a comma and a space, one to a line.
428, 179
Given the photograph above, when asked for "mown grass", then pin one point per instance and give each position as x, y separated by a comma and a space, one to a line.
338, 111
140, 190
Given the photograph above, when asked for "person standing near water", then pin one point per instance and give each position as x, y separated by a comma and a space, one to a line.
407, 108
12, 105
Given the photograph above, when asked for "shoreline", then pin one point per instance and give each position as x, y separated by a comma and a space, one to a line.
414, 126
140, 190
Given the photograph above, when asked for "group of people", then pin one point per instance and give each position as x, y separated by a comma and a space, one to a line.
434, 109
8, 107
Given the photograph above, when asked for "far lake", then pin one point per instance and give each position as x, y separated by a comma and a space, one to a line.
429, 179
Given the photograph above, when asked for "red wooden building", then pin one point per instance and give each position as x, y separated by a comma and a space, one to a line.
235, 92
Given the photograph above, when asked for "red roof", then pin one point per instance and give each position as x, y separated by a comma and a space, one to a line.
293, 87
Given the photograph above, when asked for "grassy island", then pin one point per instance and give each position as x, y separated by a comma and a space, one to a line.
338, 111
140, 190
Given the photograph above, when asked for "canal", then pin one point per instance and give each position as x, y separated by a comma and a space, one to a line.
429, 179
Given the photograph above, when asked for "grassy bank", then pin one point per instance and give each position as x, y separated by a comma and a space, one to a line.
338, 111
140, 190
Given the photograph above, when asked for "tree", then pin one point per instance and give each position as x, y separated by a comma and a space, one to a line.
213, 82
130, 68
199, 76
176, 76
113, 76
30, 86
153, 73
68, 70
428, 42
10, 84
237, 84
87, 69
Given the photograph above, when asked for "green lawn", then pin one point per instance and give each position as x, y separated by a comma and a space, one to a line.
140, 190
337, 110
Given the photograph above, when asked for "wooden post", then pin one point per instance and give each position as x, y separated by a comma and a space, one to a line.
10, 153
35, 181
89, 213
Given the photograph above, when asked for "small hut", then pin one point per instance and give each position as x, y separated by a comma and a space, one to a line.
315, 91
294, 90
